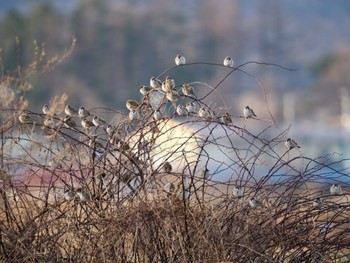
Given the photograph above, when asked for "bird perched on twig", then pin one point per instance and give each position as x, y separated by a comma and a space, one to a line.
25, 118
132, 105
335, 189
180, 60
169, 188
83, 113
317, 203
69, 122
254, 203
167, 167
144, 90
290, 144
84, 196
181, 110
226, 118
228, 62
172, 96
70, 110
248, 112
110, 129
155, 83
191, 107
68, 194
205, 113
134, 115
46, 109
168, 84
87, 124
237, 192
188, 90
98, 121
157, 115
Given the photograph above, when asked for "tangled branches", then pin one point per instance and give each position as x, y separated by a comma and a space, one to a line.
175, 179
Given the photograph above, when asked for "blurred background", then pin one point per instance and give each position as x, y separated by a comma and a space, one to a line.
122, 43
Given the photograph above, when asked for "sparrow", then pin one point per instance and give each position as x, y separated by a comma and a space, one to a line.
144, 90
254, 203
226, 118
172, 95
46, 109
98, 121
248, 112
134, 115
205, 173
181, 110
317, 203
204, 113
167, 168
157, 115
237, 192
169, 188
49, 122
110, 129
87, 124
69, 110
168, 84
95, 143
83, 113
180, 60
191, 107
83, 195
68, 194
69, 122
335, 189
132, 105
155, 83
25, 118
228, 62
290, 144
188, 90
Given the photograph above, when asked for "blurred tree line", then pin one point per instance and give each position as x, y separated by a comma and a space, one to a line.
121, 44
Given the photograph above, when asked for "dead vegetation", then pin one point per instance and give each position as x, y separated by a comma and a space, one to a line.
154, 186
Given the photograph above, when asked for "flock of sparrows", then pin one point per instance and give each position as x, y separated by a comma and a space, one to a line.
168, 88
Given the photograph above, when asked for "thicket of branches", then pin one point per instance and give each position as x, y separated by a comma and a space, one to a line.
152, 186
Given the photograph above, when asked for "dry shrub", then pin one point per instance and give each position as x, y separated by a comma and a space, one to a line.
132, 217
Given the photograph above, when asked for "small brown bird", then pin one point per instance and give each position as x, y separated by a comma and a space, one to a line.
191, 107
46, 109
69, 122
25, 118
188, 90
180, 60
69, 110
155, 83
226, 118
254, 203
248, 112
87, 124
98, 121
181, 110
134, 115
290, 144
83, 113
169, 188
132, 105
228, 62
167, 167
173, 96
144, 90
